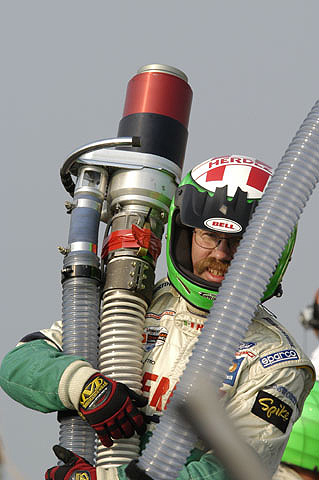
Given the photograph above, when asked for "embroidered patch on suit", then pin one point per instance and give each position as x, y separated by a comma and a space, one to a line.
278, 357
246, 345
233, 371
285, 392
272, 410
154, 337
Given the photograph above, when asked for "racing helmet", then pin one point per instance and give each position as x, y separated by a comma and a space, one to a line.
302, 448
219, 194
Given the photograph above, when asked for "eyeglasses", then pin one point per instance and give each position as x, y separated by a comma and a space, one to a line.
211, 240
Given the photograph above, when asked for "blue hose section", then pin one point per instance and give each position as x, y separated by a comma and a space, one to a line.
243, 287
84, 225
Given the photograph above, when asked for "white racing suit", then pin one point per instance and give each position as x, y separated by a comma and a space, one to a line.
264, 391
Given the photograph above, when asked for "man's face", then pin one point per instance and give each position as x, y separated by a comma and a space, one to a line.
212, 253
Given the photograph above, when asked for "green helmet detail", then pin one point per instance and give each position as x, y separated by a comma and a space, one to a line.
220, 194
302, 448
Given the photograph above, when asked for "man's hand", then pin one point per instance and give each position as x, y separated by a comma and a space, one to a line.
110, 408
73, 465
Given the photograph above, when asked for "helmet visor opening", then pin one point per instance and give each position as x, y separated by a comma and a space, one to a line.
181, 250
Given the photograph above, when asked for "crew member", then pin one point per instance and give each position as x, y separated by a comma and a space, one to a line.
269, 377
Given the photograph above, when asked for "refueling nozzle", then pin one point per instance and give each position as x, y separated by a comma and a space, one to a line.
128, 183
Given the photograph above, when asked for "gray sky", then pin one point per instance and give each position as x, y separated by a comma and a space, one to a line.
253, 67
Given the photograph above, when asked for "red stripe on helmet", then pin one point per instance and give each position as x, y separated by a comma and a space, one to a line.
215, 174
258, 178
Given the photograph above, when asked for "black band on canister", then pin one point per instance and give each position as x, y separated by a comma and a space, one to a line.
157, 109
159, 135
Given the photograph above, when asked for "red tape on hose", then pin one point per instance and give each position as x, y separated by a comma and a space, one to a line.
136, 237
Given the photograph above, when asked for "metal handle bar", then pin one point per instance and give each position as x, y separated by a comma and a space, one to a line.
65, 170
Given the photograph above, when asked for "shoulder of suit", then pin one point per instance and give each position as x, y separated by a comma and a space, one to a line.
266, 325
163, 287
273, 343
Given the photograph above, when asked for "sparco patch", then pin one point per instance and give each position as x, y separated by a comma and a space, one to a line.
272, 410
278, 357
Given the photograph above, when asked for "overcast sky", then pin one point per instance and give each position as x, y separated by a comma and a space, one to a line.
253, 67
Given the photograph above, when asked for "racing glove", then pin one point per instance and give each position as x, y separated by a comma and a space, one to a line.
111, 409
74, 466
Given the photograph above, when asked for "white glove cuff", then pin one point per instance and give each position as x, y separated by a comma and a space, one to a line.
72, 381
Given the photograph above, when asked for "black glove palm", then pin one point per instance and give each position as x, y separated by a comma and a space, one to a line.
110, 408
73, 465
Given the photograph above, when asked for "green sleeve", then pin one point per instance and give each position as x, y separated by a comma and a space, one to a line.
207, 468
31, 373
